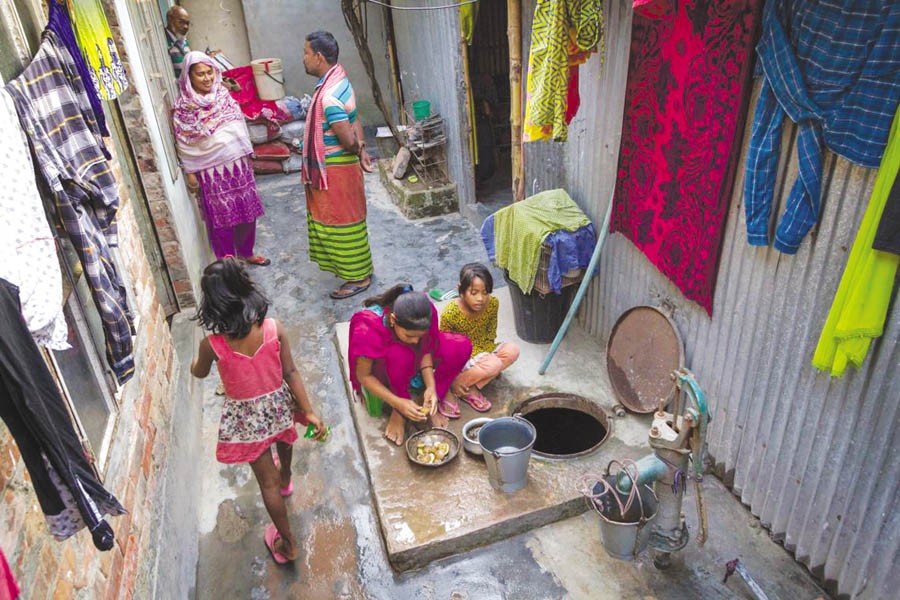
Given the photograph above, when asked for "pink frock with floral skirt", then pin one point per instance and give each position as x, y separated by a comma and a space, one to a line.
259, 407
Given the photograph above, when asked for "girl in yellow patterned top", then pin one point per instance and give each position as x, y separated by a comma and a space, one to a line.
474, 314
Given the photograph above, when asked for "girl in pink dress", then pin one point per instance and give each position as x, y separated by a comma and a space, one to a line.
394, 346
263, 390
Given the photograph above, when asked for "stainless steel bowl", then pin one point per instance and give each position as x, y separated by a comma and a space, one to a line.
471, 443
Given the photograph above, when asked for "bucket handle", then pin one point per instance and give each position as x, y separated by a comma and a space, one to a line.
275, 79
634, 491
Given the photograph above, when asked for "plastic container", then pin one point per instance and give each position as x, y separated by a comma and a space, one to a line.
421, 109
506, 446
268, 75
374, 404
538, 317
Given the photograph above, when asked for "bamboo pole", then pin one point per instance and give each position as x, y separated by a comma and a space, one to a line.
514, 35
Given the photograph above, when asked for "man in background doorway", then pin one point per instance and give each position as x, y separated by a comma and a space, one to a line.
178, 22
334, 158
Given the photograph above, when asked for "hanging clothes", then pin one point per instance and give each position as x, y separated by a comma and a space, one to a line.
689, 82
57, 118
887, 238
29, 260
863, 296
9, 590
58, 22
69, 494
564, 34
832, 68
96, 43
521, 228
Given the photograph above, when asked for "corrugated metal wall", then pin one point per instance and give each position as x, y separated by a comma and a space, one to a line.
430, 59
816, 459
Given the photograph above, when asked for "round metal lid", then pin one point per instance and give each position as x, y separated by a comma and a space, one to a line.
643, 350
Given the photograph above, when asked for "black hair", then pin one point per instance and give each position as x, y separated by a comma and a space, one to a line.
231, 303
472, 271
411, 309
324, 43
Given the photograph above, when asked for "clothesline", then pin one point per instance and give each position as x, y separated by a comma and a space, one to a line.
455, 5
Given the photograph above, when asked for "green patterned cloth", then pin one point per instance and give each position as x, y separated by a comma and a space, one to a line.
520, 229
563, 34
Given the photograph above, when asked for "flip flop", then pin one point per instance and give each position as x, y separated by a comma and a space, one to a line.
287, 491
448, 409
259, 261
271, 537
348, 289
478, 402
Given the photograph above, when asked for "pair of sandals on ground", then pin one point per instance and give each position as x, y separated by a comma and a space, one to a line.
449, 406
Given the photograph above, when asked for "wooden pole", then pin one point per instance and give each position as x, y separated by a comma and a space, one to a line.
514, 34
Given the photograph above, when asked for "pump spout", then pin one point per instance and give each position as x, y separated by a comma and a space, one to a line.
649, 469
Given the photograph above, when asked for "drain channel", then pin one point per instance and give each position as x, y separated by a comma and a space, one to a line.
567, 425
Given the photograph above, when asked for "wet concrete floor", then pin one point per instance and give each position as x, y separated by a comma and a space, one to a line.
333, 509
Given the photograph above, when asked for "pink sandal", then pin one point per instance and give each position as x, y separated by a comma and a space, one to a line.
271, 537
449, 409
287, 491
477, 401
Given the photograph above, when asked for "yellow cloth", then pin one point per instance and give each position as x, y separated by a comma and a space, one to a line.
860, 306
468, 14
480, 328
564, 33
98, 48
520, 229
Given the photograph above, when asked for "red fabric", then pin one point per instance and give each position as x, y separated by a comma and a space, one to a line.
248, 98
8, 588
344, 203
573, 98
266, 167
271, 151
685, 103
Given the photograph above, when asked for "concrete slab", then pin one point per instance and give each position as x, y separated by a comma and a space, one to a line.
426, 513
333, 509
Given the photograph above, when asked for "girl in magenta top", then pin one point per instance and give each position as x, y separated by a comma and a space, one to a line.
263, 390
395, 345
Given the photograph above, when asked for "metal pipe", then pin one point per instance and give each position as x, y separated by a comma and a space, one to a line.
582, 289
650, 469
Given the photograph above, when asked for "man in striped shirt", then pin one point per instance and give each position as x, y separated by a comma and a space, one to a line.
178, 22
334, 159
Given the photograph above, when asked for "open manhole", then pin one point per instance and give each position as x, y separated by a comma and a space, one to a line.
568, 426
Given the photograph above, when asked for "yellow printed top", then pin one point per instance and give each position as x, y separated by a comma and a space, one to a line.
480, 328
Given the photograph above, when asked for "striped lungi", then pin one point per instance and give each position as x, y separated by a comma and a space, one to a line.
336, 217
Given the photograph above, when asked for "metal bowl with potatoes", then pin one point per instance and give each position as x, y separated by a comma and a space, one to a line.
433, 447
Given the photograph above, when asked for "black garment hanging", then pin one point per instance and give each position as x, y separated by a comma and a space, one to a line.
887, 237
31, 406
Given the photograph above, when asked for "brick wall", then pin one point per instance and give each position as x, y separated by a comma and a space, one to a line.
151, 175
46, 568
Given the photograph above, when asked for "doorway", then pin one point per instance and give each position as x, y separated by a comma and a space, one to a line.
488, 67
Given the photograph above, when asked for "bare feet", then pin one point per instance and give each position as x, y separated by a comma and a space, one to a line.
439, 420
396, 428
